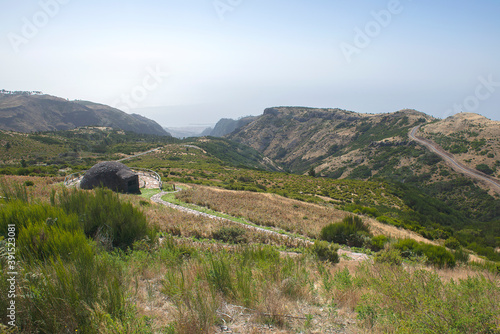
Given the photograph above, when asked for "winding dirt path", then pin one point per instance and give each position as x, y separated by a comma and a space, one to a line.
139, 154
450, 160
158, 199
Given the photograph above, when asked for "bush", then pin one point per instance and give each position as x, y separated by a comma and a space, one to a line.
378, 242
452, 243
390, 256
43, 242
485, 169
43, 232
22, 215
65, 282
408, 248
436, 255
419, 301
231, 234
351, 231
461, 255
104, 216
325, 251
65, 296
439, 256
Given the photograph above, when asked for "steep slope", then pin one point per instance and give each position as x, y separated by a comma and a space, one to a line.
226, 125
80, 146
300, 137
474, 140
233, 153
31, 113
340, 144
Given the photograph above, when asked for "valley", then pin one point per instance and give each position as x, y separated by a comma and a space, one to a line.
300, 220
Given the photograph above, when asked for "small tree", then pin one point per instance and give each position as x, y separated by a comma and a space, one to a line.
312, 172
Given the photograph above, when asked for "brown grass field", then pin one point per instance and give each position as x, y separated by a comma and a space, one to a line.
288, 214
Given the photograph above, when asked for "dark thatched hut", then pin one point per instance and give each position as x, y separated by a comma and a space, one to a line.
113, 175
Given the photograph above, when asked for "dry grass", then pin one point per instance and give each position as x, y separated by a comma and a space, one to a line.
186, 225
265, 209
288, 214
40, 190
378, 228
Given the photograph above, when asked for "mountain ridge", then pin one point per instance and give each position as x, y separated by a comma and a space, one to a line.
37, 112
299, 137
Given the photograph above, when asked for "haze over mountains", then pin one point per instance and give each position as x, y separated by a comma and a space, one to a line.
25, 112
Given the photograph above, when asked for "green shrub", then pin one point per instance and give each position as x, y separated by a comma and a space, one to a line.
325, 251
419, 301
485, 169
436, 255
231, 234
65, 295
378, 242
452, 243
219, 274
408, 248
104, 216
65, 283
44, 232
22, 214
390, 256
40, 241
351, 231
461, 255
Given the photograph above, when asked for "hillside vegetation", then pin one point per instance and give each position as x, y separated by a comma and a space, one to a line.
32, 113
473, 139
186, 274
397, 242
426, 196
339, 144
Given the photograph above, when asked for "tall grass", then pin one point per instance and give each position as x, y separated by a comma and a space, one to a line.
61, 296
65, 283
13, 191
105, 217
253, 277
418, 301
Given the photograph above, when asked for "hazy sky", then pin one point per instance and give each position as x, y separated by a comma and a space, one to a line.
194, 61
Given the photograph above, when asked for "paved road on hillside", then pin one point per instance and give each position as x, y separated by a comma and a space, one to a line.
450, 159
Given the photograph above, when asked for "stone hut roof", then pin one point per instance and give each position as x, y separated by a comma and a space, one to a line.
113, 175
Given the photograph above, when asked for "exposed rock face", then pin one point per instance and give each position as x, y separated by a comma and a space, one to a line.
113, 175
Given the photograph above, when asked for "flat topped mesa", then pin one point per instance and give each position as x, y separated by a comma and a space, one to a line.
113, 175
